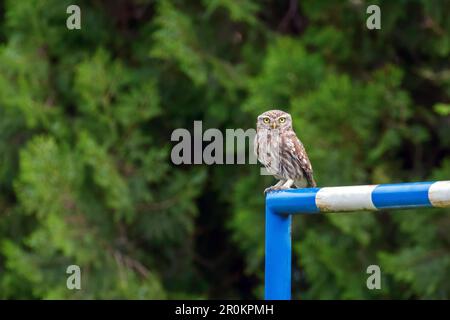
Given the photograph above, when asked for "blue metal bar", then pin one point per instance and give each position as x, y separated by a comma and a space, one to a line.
402, 195
365, 197
281, 205
293, 201
278, 256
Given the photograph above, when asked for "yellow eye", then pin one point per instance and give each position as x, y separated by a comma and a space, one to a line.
282, 120
266, 120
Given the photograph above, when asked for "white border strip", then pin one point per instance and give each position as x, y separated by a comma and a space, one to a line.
350, 198
439, 194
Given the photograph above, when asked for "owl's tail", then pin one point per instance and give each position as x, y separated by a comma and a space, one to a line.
311, 182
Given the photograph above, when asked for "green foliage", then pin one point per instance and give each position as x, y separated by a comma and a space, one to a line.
86, 118
176, 41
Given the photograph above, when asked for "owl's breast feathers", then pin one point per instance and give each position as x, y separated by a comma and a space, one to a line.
284, 156
266, 148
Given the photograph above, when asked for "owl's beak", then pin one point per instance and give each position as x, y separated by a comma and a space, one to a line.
274, 125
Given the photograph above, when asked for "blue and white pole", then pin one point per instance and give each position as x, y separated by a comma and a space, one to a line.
281, 205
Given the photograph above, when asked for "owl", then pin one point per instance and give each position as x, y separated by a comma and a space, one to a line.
280, 151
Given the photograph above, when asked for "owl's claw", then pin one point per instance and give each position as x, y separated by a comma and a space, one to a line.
275, 188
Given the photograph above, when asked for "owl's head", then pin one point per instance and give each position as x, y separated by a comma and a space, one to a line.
274, 119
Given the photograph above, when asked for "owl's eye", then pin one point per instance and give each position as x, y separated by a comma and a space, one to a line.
282, 120
266, 120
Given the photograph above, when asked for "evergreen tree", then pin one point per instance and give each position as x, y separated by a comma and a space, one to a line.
86, 118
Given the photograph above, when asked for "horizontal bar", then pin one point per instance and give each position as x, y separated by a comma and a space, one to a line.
357, 198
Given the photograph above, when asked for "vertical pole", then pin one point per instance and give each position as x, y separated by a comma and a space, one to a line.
278, 256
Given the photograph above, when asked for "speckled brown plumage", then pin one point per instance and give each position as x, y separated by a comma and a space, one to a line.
278, 148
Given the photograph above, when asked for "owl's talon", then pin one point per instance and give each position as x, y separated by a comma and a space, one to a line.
275, 189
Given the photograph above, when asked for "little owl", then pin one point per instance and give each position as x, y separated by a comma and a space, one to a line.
277, 147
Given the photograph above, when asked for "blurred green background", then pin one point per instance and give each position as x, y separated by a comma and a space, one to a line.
86, 118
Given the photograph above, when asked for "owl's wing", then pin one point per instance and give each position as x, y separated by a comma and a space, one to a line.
298, 153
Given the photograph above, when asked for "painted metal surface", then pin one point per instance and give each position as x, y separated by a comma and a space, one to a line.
281, 205
439, 194
357, 198
278, 256
345, 198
